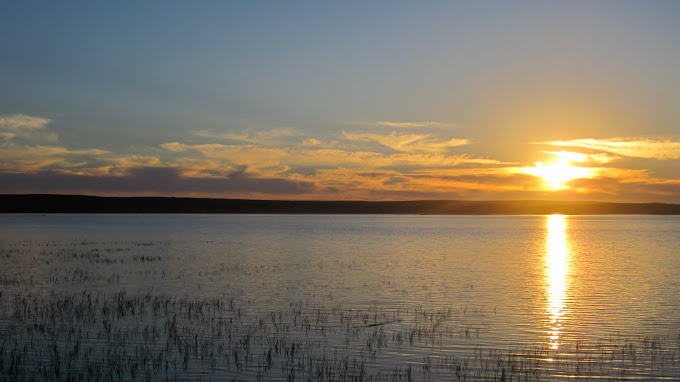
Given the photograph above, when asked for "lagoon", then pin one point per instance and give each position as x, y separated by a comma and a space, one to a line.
339, 297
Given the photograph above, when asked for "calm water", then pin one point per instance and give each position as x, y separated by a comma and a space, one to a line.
438, 293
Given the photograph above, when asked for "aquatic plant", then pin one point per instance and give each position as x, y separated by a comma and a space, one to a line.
87, 321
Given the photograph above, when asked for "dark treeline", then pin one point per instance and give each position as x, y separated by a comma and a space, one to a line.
94, 204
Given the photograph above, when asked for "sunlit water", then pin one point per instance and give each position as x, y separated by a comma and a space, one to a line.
431, 292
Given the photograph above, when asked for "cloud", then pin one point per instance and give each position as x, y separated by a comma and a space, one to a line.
394, 180
149, 181
599, 158
627, 147
262, 158
410, 143
408, 125
22, 121
622, 174
491, 183
131, 161
312, 142
26, 127
38, 151
178, 147
281, 163
35, 158
254, 157
422, 181
203, 168
267, 138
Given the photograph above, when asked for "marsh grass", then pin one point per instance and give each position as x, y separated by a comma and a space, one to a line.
82, 323
147, 336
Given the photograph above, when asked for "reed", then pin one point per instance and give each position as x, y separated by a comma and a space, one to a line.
95, 329
148, 336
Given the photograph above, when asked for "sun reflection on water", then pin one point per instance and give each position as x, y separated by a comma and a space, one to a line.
557, 267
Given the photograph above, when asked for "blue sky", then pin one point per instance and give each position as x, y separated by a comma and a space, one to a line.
354, 100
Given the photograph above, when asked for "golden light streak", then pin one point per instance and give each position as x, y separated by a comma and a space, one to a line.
557, 268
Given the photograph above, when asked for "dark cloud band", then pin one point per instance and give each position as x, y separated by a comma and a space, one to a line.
161, 180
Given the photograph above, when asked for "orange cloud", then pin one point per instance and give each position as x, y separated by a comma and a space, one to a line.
299, 156
34, 158
357, 165
628, 147
410, 143
599, 158
268, 138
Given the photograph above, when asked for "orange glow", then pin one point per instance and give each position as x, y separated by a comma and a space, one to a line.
556, 174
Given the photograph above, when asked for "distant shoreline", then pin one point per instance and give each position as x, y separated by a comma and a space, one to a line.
38, 203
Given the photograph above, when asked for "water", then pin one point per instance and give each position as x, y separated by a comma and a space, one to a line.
393, 297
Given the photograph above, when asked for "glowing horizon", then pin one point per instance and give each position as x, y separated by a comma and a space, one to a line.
245, 100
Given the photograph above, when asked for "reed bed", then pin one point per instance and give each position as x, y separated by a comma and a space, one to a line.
84, 323
147, 336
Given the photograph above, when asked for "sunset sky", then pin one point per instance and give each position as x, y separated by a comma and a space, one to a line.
373, 100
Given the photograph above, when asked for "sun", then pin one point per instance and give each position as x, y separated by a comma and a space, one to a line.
558, 173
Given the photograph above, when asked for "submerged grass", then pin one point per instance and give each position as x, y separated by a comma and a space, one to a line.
93, 329
147, 336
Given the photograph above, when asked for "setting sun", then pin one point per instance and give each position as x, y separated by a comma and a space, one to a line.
558, 173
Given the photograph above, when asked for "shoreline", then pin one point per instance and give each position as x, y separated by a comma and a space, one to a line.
51, 203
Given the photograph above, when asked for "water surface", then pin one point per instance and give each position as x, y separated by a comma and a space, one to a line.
559, 284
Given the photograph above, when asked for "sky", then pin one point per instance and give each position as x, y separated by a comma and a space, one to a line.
346, 100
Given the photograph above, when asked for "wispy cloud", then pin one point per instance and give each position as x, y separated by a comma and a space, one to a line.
443, 183
372, 160
628, 147
22, 121
599, 158
410, 143
26, 127
397, 164
408, 125
314, 157
268, 138
35, 158
252, 156
312, 142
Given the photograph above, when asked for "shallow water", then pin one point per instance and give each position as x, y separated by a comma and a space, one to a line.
440, 294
